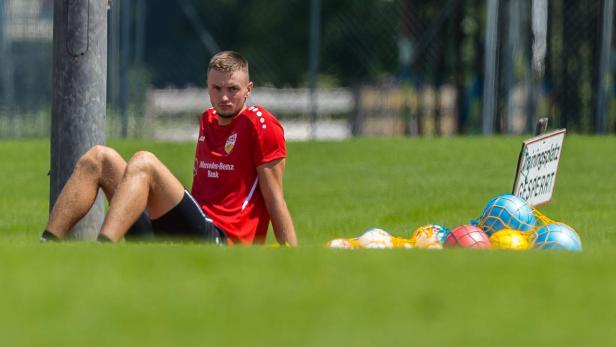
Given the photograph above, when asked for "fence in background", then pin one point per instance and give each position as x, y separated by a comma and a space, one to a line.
25, 67
383, 68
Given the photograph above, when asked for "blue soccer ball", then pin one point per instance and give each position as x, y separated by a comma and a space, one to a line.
507, 212
557, 236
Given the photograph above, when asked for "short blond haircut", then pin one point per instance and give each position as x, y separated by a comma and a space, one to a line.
228, 61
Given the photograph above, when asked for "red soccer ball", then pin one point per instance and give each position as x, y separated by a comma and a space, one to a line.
468, 236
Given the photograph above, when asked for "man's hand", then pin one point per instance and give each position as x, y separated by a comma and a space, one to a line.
270, 183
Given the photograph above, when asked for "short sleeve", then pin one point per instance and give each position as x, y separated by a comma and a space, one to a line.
269, 143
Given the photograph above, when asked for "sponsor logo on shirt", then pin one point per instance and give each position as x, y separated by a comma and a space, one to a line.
230, 143
216, 166
213, 168
201, 138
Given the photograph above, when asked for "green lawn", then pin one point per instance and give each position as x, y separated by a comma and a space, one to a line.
79, 294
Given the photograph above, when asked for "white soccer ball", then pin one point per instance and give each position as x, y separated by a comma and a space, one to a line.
375, 238
340, 243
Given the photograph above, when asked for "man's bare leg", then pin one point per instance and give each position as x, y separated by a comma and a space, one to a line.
100, 167
147, 182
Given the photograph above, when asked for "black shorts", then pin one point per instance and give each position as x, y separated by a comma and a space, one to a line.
186, 221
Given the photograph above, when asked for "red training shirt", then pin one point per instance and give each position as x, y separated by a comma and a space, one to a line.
225, 181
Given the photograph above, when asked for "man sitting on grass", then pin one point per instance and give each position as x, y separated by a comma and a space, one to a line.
237, 177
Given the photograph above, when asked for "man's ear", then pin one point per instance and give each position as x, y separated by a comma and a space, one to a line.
249, 88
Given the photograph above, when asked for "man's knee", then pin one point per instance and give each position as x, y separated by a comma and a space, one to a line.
142, 162
94, 160
91, 161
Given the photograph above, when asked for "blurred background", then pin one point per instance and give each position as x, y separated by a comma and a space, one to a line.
333, 69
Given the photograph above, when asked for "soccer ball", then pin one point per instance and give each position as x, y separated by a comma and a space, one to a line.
375, 238
510, 239
431, 236
340, 243
557, 236
507, 212
467, 236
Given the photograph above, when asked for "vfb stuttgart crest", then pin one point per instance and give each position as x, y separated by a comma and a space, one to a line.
230, 143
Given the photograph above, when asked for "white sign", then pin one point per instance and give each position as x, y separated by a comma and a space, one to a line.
537, 167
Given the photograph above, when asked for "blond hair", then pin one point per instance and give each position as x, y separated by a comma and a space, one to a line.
228, 61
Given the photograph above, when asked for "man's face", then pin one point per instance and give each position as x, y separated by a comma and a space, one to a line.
228, 91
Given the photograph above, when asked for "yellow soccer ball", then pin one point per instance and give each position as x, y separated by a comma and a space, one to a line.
400, 242
430, 236
510, 239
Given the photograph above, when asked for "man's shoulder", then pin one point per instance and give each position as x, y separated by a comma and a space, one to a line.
262, 120
256, 112
260, 117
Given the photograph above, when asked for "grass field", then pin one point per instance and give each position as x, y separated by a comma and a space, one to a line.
78, 294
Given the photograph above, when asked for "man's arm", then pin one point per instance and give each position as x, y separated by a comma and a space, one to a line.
270, 183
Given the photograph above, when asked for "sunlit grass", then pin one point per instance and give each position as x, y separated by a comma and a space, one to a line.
190, 294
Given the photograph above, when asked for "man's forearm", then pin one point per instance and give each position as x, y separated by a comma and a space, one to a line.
283, 226
270, 183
